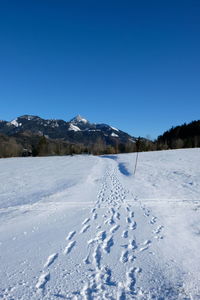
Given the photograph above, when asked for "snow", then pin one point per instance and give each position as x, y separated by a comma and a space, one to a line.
114, 134
15, 123
55, 124
85, 227
78, 119
52, 122
83, 120
114, 128
73, 128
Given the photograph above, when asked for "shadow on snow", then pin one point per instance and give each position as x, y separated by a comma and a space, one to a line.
121, 166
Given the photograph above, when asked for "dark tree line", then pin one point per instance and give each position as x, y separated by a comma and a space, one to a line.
30, 145
9, 147
184, 136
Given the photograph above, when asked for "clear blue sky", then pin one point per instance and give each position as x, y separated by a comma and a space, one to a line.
132, 64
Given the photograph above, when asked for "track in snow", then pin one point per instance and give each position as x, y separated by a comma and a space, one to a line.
105, 244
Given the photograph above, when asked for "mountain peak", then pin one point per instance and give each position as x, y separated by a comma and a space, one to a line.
79, 119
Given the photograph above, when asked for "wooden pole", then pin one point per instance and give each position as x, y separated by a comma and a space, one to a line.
136, 163
137, 148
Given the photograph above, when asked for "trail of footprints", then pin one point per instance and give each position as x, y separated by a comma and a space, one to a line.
100, 275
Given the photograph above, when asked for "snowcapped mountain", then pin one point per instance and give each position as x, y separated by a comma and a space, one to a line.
78, 130
79, 120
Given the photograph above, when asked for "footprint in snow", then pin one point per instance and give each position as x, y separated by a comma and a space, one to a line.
132, 245
109, 221
153, 220
108, 243
133, 225
124, 256
94, 217
43, 279
85, 228
128, 220
50, 260
146, 245
114, 228
131, 258
131, 280
147, 242
97, 256
86, 221
125, 234
86, 260
117, 215
69, 247
158, 230
101, 236
121, 293
70, 235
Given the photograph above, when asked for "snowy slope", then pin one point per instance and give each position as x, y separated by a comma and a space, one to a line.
85, 227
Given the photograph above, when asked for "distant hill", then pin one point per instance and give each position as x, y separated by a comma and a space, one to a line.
32, 135
184, 136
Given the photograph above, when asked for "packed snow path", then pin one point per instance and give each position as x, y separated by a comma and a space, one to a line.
112, 246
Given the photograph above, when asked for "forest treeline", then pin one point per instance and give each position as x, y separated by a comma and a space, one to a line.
41, 146
184, 136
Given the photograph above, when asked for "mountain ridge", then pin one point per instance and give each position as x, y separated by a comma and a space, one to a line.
28, 131
41, 126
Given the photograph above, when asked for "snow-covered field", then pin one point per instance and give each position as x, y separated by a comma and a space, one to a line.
85, 227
